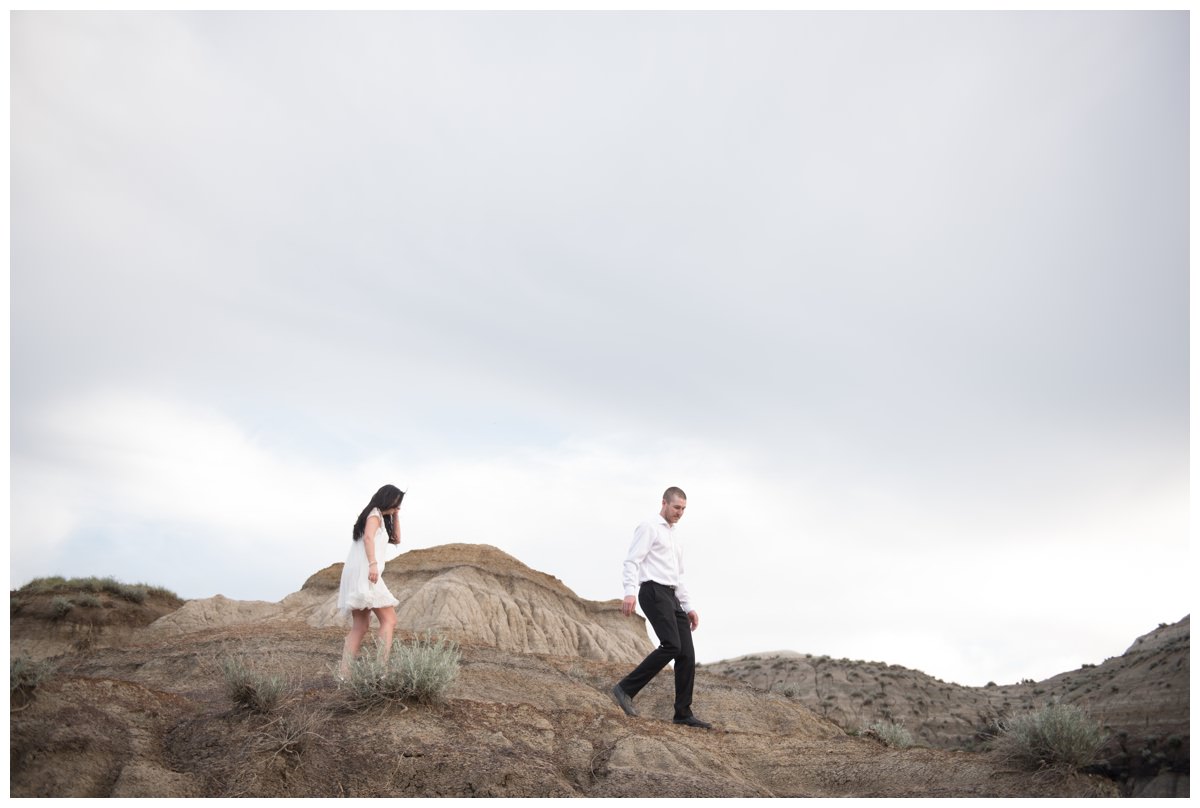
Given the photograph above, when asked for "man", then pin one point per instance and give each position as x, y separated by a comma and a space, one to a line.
653, 573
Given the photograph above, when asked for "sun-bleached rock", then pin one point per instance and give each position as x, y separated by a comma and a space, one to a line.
214, 612
469, 592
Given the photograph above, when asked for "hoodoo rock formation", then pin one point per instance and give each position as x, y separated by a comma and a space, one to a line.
469, 592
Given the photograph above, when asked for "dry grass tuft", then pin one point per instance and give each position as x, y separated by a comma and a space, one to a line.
249, 689
136, 593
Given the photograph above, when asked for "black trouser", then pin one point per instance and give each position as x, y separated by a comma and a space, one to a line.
674, 632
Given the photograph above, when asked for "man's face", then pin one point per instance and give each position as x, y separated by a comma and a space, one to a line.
672, 509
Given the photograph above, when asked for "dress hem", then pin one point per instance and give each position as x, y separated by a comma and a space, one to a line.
356, 604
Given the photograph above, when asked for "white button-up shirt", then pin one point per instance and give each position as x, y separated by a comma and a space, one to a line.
655, 556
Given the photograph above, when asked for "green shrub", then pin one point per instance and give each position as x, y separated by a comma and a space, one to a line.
60, 606
250, 689
421, 671
1058, 736
25, 674
87, 599
891, 734
786, 689
45, 584
134, 594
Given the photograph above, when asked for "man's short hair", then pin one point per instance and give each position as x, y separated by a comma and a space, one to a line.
673, 492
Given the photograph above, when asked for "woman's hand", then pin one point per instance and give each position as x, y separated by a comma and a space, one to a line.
373, 572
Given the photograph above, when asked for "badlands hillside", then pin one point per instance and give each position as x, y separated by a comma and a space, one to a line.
1141, 698
135, 706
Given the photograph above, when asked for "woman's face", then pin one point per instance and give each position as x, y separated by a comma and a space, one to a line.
392, 510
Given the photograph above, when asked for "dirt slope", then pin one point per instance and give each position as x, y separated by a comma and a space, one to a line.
151, 720
94, 619
144, 714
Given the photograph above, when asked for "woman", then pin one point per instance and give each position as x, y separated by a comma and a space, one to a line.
362, 589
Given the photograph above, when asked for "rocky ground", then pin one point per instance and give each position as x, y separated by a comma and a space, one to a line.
1141, 698
136, 707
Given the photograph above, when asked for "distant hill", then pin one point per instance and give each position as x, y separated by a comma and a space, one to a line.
1141, 697
55, 616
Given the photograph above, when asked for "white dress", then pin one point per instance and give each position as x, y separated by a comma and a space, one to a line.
357, 591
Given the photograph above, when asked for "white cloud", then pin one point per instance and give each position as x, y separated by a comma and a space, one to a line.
773, 561
160, 471
899, 300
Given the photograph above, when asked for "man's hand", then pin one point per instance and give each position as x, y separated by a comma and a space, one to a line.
628, 604
694, 620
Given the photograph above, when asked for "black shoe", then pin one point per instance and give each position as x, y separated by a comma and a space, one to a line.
693, 721
623, 701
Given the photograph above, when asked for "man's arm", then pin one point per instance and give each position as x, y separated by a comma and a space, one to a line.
681, 592
638, 551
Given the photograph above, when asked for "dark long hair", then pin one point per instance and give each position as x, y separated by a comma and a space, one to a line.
385, 498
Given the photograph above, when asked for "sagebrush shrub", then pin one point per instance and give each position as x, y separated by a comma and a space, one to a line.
60, 606
788, 690
25, 674
892, 734
1058, 736
250, 689
421, 671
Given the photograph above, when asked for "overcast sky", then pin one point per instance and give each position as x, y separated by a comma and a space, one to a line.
900, 300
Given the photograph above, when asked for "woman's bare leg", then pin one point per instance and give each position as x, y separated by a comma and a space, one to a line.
387, 625
358, 630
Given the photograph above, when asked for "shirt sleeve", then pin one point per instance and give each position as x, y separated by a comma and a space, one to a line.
638, 551
681, 593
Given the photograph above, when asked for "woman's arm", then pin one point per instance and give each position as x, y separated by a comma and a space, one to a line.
368, 540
